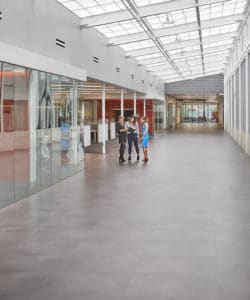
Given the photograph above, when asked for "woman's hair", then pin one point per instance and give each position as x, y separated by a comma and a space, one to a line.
133, 118
144, 118
121, 117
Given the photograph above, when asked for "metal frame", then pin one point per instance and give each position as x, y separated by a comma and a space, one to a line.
139, 30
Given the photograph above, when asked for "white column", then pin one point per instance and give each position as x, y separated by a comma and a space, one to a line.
144, 107
122, 102
247, 102
134, 103
103, 119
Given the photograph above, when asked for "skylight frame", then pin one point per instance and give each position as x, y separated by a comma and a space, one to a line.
180, 50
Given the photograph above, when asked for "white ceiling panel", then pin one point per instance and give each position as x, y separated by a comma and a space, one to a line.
175, 39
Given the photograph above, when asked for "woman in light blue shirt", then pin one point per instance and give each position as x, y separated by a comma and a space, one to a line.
144, 138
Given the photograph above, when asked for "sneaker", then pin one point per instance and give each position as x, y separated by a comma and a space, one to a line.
138, 157
129, 158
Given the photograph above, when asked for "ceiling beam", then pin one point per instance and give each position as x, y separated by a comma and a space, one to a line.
200, 32
188, 43
135, 37
185, 55
144, 11
196, 75
133, 9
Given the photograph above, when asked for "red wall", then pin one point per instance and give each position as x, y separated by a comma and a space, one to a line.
112, 105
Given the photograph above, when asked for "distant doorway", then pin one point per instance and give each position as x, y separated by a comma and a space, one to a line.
199, 113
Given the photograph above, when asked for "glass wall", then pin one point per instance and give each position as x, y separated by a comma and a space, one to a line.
199, 112
171, 114
39, 133
230, 101
237, 93
159, 115
243, 96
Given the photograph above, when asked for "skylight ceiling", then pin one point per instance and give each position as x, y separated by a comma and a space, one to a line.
175, 39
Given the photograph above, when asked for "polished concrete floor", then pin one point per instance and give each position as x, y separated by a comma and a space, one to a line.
177, 228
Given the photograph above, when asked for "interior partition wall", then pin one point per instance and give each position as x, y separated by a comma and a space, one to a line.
237, 77
39, 132
248, 97
237, 99
159, 115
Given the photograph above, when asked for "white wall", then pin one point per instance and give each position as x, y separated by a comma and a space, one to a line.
204, 85
28, 32
95, 44
240, 53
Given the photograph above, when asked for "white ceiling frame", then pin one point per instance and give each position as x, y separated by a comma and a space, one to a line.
183, 44
144, 11
192, 61
185, 55
135, 37
133, 9
196, 75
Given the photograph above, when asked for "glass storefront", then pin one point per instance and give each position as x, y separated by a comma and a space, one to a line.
39, 131
199, 113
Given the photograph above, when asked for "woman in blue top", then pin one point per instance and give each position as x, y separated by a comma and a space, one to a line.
144, 138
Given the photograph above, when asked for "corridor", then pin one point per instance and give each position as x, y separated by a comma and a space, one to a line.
174, 229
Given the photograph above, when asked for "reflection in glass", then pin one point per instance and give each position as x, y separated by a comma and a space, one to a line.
39, 131
21, 133
7, 136
201, 112
159, 107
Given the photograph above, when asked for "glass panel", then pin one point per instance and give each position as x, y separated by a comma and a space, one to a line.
237, 85
66, 126
233, 101
195, 112
158, 115
243, 96
80, 125
34, 134
44, 127
21, 125
230, 102
39, 136
7, 135
56, 127
202, 112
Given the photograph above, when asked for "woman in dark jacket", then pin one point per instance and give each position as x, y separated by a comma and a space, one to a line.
122, 132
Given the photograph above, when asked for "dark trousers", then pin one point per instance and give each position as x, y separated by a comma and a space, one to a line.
122, 149
133, 138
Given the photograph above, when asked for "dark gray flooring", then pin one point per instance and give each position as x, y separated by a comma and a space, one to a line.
175, 229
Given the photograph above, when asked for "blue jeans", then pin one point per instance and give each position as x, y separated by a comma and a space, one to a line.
133, 138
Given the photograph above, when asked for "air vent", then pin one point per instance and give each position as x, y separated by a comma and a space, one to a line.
117, 69
60, 43
0, 15
96, 59
132, 76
